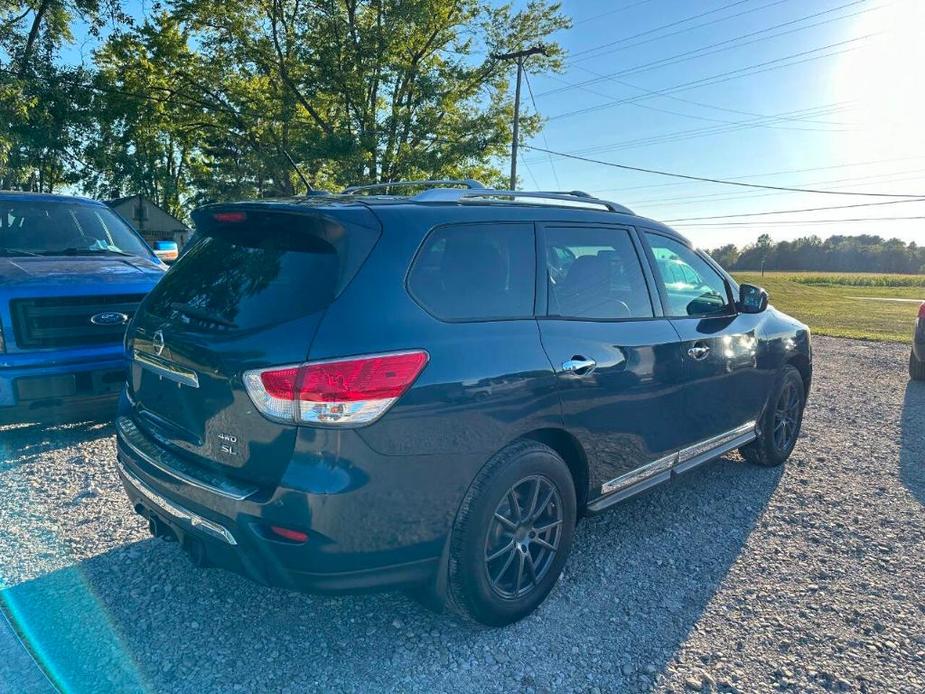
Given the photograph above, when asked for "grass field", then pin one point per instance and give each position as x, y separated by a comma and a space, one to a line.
838, 303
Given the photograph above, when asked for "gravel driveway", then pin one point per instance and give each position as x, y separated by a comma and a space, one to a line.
733, 578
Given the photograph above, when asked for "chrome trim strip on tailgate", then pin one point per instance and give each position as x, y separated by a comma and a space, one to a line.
171, 465
166, 369
220, 532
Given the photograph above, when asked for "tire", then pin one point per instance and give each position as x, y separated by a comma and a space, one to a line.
916, 368
489, 575
780, 424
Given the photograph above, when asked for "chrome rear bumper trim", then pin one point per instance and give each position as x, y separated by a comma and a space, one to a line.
167, 463
197, 522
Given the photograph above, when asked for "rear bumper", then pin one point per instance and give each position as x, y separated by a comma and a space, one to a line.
384, 532
247, 553
61, 392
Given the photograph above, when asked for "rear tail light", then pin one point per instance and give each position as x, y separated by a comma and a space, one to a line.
342, 392
922, 311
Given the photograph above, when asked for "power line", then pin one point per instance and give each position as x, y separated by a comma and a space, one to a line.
519, 57
700, 104
802, 221
706, 179
727, 127
663, 26
610, 12
700, 200
721, 46
844, 165
616, 48
695, 103
747, 71
681, 99
552, 164
805, 209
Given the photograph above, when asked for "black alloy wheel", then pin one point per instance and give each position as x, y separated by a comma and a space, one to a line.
787, 416
523, 537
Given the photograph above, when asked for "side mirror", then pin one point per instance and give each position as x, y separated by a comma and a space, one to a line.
167, 251
752, 299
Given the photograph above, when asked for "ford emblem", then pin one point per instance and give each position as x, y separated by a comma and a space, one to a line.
109, 318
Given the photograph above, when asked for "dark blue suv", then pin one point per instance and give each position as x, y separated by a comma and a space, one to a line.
357, 391
72, 273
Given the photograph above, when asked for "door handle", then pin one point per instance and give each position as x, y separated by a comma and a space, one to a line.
699, 351
578, 365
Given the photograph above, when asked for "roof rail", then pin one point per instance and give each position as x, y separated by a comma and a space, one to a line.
576, 197
470, 183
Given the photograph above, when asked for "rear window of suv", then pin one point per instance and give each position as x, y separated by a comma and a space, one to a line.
476, 272
256, 268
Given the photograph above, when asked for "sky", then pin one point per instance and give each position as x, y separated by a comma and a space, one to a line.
821, 94
707, 89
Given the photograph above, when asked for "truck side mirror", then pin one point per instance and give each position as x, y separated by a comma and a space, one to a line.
167, 251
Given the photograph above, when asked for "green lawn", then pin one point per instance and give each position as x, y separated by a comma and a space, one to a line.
828, 302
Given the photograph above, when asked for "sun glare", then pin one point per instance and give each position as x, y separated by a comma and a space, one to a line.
885, 84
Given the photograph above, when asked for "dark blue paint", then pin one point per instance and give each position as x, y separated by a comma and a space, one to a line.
378, 501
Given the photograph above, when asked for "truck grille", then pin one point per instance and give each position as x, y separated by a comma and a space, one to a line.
49, 322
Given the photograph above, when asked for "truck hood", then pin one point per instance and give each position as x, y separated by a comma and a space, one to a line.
71, 270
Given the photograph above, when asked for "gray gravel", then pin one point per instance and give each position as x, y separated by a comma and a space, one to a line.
733, 578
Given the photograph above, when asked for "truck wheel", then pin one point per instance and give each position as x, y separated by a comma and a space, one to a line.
916, 368
781, 422
512, 535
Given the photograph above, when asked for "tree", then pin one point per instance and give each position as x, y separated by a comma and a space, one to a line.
146, 136
727, 255
862, 253
352, 91
42, 106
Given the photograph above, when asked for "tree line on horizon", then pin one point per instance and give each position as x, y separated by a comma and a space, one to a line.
201, 101
862, 253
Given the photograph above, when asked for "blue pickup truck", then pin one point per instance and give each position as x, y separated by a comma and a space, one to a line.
72, 273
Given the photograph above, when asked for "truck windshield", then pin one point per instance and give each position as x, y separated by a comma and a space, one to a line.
65, 228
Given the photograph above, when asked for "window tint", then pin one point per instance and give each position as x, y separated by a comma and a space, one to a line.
594, 273
268, 269
476, 272
693, 287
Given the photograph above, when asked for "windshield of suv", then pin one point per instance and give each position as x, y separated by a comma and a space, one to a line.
65, 228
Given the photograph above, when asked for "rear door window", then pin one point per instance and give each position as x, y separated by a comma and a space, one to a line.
594, 273
476, 272
261, 268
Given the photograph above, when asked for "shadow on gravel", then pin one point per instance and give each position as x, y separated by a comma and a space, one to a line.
21, 445
141, 616
912, 453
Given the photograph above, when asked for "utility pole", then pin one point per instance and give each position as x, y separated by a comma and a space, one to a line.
519, 56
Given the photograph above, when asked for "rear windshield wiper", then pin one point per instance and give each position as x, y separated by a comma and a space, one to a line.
200, 314
18, 251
